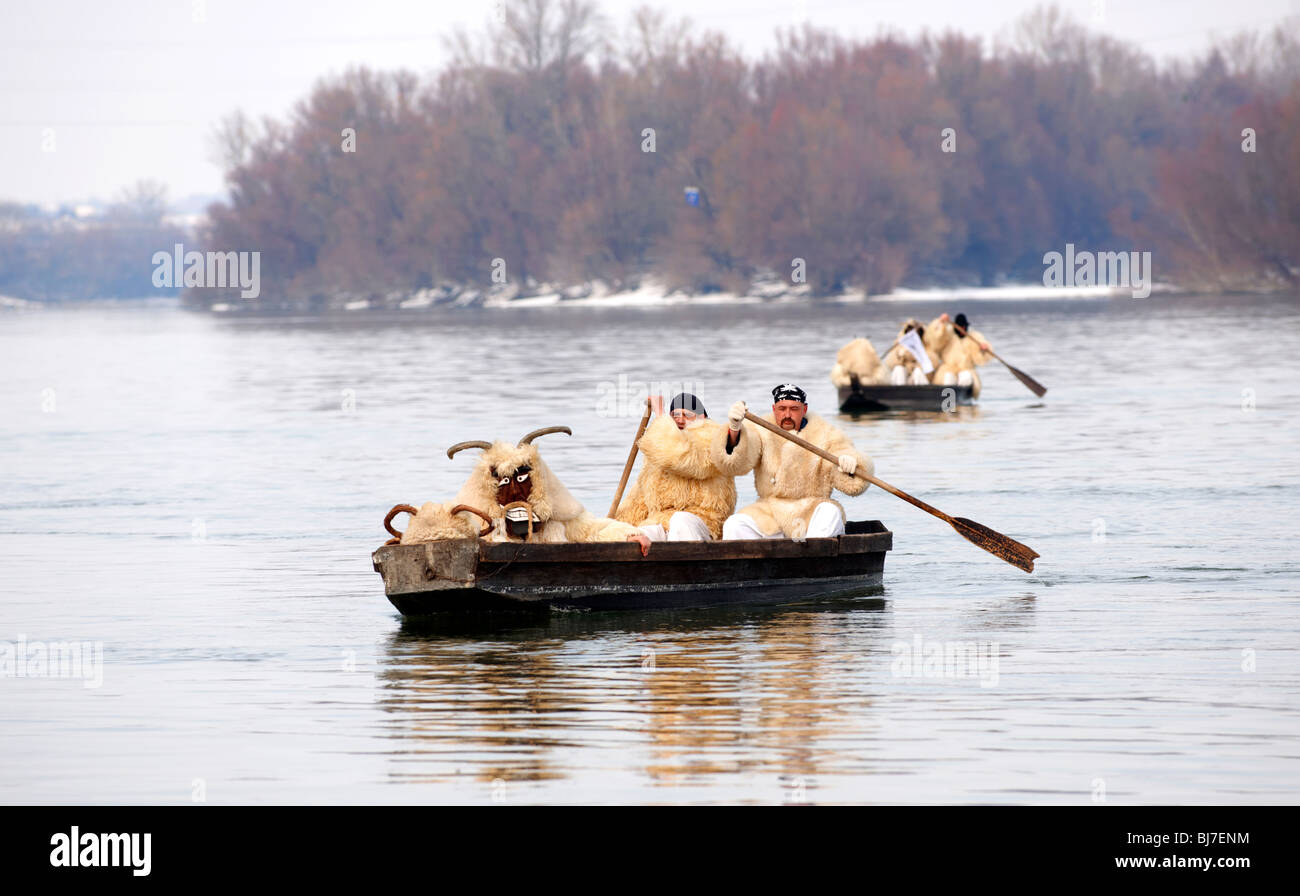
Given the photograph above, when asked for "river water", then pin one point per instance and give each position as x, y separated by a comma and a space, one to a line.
199, 497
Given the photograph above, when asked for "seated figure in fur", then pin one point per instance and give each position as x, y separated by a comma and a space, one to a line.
939, 339
514, 488
436, 522
903, 366
963, 350
680, 494
794, 485
857, 363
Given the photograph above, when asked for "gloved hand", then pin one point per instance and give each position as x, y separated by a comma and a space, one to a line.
735, 415
848, 463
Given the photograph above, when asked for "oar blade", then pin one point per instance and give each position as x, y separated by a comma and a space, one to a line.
1018, 555
1034, 386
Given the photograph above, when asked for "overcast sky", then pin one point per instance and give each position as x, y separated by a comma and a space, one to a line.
96, 95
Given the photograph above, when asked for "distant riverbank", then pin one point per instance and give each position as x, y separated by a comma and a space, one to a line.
648, 296
651, 294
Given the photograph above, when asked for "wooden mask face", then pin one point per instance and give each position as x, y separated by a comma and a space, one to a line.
514, 485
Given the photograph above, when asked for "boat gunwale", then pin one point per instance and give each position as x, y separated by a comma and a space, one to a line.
875, 398
738, 550
448, 572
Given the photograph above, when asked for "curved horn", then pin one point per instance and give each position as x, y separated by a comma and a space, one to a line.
541, 432
388, 520
461, 446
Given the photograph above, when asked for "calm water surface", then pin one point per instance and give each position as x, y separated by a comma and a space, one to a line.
202, 496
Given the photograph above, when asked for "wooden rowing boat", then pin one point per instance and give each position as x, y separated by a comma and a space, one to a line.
468, 575
863, 399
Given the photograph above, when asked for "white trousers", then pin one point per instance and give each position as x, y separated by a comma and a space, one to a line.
682, 526
826, 522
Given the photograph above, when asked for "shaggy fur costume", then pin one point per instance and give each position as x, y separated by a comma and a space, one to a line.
901, 357
976, 355
939, 340
791, 481
678, 474
563, 518
859, 359
939, 335
435, 522
960, 356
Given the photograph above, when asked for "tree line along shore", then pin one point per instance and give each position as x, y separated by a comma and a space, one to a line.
561, 152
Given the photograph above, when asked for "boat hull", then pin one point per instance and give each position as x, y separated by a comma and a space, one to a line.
873, 399
466, 575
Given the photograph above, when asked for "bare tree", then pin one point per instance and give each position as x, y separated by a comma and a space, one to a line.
232, 140
652, 38
142, 203
1048, 35
537, 34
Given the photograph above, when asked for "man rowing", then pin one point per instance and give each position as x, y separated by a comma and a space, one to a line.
794, 485
965, 350
680, 494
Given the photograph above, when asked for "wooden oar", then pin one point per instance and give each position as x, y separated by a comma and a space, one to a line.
631, 459
1018, 555
1034, 386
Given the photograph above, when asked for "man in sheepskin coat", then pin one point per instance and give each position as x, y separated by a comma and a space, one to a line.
680, 495
962, 349
794, 485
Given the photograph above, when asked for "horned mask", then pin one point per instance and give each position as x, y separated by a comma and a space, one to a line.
513, 484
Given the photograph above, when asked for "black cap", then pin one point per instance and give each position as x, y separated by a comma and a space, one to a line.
687, 402
961, 322
788, 392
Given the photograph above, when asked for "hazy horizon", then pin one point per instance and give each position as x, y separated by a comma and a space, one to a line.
99, 98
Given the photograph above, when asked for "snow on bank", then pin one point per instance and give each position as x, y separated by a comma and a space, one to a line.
648, 295
1019, 292
12, 303
651, 294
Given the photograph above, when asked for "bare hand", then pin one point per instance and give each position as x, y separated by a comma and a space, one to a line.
642, 539
848, 463
657, 404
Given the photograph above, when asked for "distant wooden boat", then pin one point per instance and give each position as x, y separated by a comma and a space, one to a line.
468, 575
862, 399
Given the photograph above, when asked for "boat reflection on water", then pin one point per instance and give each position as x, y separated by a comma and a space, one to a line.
962, 413
692, 694
471, 708
719, 704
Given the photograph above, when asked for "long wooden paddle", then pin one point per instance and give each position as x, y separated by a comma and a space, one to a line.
631, 459
1034, 385
1018, 555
